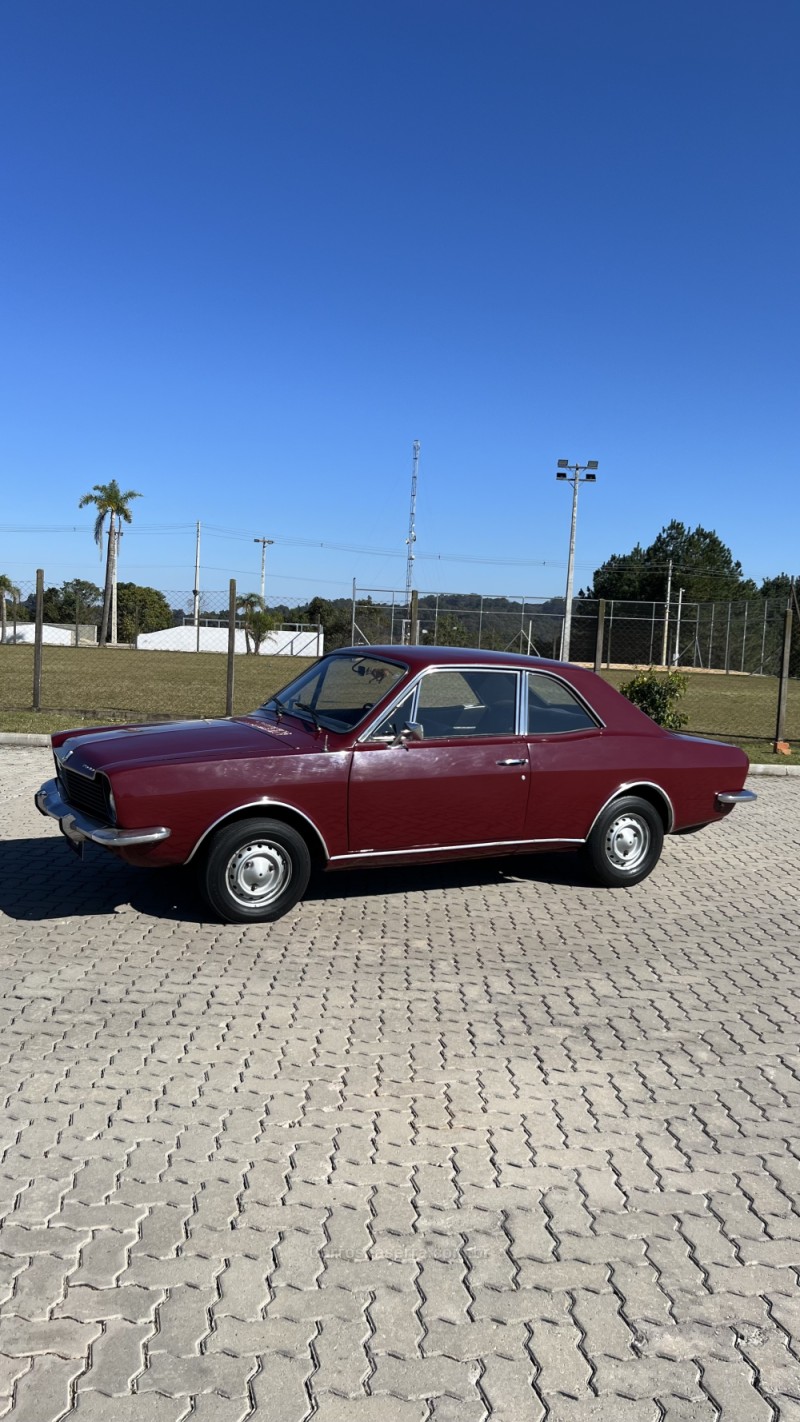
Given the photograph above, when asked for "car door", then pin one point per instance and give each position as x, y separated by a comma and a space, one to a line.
568, 757
465, 783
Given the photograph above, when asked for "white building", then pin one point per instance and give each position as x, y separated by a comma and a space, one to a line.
53, 636
294, 641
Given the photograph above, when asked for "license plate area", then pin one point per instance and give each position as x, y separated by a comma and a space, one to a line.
76, 845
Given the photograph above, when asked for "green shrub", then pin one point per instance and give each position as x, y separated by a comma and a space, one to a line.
656, 693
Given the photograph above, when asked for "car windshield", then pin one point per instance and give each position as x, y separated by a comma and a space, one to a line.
338, 693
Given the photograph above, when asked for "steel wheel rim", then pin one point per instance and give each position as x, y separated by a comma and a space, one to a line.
258, 873
627, 843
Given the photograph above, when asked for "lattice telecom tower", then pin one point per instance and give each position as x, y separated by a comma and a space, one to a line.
412, 525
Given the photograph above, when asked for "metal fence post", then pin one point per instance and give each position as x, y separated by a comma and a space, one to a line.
783, 684
601, 627
353, 618
231, 647
413, 618
38, 638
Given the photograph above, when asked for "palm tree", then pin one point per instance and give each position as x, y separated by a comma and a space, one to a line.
109, 500
257, 621
6, 586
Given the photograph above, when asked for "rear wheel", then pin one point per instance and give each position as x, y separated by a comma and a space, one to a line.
255, 870
625, 843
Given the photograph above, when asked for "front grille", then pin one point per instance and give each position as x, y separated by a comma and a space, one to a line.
85, 794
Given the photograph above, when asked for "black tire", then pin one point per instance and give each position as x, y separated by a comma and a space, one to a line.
625, 843
255, 870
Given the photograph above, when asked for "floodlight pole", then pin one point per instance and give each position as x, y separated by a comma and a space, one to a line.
574, 478
264, 544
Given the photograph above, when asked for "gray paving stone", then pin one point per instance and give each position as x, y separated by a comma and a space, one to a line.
474, 1142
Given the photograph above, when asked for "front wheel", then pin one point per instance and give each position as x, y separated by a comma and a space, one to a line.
254, 871
625, 843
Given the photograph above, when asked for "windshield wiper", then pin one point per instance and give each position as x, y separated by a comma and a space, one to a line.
281, 708
303, 706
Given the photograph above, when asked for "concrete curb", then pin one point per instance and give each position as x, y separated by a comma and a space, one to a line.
23, 738
34, 738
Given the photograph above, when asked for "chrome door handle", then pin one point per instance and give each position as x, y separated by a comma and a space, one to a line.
523, 761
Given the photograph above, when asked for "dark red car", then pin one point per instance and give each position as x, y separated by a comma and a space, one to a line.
393, 755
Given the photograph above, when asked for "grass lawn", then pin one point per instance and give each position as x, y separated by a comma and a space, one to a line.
735, 707
86, 686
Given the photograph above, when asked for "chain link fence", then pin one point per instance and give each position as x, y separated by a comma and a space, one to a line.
733, 652
744, 636
73, 613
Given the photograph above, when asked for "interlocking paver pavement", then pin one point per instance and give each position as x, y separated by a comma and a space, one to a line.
470, 1142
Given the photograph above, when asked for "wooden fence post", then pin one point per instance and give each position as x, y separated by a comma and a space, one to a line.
37, 642
601, 627
783, 683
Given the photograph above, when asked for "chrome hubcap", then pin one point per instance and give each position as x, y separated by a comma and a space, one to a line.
258, 873
627, 842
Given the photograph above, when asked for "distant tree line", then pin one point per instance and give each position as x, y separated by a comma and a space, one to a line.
702, 566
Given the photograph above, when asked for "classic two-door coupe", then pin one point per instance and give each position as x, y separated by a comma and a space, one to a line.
385, 755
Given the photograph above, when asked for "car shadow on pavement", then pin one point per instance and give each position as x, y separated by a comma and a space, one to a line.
567, 869
41, 880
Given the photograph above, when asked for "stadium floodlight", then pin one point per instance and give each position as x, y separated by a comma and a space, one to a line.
574, 477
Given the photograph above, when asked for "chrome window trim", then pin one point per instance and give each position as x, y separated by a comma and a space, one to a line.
369, 735
516, 672
634, 785
599, 723
264, 803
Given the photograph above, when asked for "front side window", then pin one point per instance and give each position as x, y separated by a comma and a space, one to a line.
469, 702
339, 692
553, 707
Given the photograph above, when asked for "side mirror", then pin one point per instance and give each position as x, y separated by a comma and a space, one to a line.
412, 731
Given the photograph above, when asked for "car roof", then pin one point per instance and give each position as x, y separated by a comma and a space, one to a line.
416, 658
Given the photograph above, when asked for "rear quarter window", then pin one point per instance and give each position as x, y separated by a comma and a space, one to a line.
553, 708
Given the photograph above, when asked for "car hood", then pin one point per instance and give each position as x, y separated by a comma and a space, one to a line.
123, 747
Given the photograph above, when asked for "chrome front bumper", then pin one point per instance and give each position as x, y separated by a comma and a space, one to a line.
79, 827
735, 797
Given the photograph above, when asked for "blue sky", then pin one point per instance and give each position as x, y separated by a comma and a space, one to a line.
251, 251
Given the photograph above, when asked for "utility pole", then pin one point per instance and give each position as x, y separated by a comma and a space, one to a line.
666, 615
574, 478
411, 540
677, 653
197, 588
265, 543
